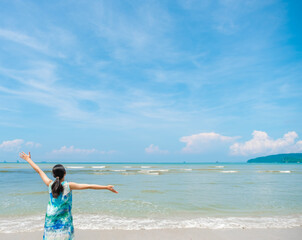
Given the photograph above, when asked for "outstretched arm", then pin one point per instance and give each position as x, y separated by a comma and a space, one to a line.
77, 186
27, 158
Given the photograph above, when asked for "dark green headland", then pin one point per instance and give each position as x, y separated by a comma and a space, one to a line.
278, 158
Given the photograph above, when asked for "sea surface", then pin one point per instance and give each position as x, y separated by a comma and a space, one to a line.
155, 196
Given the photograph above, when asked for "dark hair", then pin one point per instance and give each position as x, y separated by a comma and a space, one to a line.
58, 171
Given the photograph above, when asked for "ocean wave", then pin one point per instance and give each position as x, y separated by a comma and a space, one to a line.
207, 169
153, 171
75, 167
148, 172
106, 222
28, 193
275, 171
152, 191
98, 167
159, 170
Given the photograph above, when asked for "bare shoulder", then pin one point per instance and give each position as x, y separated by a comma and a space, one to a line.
72, 185
48, 183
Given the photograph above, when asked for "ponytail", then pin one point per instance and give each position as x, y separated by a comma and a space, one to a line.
58, 172
56, 188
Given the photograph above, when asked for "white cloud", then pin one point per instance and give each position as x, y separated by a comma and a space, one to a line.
33, 144
16, 144
11, 145
261, 143
197, 143
152, 149
72, 150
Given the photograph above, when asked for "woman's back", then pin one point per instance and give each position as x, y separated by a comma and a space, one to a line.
58, 219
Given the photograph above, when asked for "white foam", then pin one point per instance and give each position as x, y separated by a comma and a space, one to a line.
159, 170
145, 166
76, 167
149, 172
219, 166
274, 171
105, 222
98, 166
22, 224
230, 171
187, 169
127, 167
119, 170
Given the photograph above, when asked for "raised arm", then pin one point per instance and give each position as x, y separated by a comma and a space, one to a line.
77, 186
42, 174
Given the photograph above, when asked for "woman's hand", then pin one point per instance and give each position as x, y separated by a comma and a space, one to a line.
24, 156
110, 187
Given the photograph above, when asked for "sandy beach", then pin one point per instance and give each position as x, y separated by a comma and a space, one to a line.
175, 234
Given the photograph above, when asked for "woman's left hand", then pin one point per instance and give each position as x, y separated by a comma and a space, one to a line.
110, 188
24, 156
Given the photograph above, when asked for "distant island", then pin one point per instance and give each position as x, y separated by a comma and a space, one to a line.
278, 158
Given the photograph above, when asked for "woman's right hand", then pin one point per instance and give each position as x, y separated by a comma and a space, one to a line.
110, 188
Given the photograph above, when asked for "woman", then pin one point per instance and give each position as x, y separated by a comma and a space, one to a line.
58, 220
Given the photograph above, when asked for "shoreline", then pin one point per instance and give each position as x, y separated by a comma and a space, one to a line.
35, 223
175, 234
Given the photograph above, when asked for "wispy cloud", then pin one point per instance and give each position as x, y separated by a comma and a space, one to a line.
201, 142
22, 39
153, 149
139, 33
17, 144
33, 144
145, 35
39, 85
262, 143
73, 150
52, 42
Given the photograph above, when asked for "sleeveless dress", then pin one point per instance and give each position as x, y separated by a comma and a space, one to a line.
58, 218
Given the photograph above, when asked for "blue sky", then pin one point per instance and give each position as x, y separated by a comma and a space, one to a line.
150, 81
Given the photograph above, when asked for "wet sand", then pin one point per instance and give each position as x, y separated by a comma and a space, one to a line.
173, 234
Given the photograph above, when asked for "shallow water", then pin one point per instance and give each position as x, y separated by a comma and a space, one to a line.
160, 195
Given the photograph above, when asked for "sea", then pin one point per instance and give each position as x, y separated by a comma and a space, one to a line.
158, 196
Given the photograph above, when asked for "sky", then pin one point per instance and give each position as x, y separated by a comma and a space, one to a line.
150, 81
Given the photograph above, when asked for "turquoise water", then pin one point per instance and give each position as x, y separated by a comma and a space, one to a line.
223, 195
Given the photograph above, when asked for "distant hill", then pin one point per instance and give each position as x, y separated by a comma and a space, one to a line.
278, 158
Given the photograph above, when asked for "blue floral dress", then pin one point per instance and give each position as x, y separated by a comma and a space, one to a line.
58, 218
